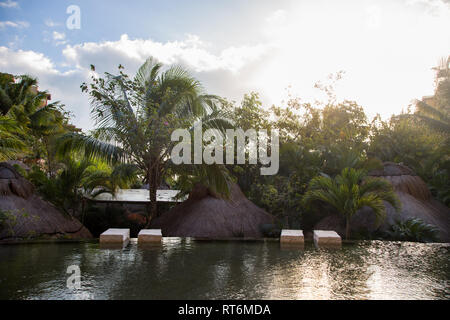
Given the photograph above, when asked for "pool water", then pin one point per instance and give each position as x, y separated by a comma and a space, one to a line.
188, 269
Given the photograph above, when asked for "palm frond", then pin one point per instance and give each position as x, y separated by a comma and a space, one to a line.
90, 147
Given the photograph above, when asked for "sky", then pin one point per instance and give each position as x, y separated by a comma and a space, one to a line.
386, 49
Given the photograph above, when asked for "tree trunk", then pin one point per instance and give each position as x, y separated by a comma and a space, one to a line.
347, 228
152, 207
49, 158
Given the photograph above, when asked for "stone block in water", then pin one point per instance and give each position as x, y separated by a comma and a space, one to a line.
149, 236
292, 237
115, 236
326, 238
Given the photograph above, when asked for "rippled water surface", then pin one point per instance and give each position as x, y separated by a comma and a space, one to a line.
186, 269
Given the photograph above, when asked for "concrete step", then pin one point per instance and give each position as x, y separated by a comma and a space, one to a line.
113, 235
326, 238
149, 236
290, 237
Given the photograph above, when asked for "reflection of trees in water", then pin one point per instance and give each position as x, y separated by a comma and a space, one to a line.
184, 269
103, 270
37, 270
195, 270
319, 274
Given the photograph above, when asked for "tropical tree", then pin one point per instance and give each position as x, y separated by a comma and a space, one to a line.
350, 191
434, 111
67, 187
16, 93
102, 178
435, 117
28, 125
10, 143
135, 119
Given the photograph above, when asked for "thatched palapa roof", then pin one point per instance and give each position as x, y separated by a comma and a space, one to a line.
205, 215
416, 200
29, 215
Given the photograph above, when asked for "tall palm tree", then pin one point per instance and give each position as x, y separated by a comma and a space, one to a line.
101, 178
10, 143
350, 191
435, 117
436, 114
135, 118
14, 93
35, 124
21, 95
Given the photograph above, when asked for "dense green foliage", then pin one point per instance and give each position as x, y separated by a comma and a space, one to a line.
135, 119
325, 148
413, 230
350, 191
78, 177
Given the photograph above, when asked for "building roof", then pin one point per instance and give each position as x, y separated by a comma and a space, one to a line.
206, 215
137, 196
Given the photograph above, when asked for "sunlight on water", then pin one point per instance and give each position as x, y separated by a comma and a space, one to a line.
187, 269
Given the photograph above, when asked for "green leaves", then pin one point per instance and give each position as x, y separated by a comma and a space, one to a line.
10, 143
413, 230
350, 191
90, 147
134, 120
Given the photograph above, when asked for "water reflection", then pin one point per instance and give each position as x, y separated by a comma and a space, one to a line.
187, 269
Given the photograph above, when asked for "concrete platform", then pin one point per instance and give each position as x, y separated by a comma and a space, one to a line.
115, 236
326, 239
114, 245
149, 236
292, 237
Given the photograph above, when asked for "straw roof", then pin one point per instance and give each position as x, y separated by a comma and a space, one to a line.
205, 215
392, 169
30, 216
416, 199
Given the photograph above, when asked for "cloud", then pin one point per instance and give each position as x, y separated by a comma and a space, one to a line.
21, 61
431, 7
191, 52
58, 35
64, 86
219, 72
14, 24
50, 23
59, 38
277, 17
9, 4
16, 42
387, 57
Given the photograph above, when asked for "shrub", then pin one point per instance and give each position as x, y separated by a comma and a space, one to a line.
413, 230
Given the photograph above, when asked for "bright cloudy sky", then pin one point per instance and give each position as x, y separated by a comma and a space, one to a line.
386, 48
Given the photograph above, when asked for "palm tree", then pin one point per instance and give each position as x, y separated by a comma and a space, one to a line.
101, 178
10, 143
436, 118
27, 125
77, 177
350, 191
135, 118
16, 93
22, 95
436, 113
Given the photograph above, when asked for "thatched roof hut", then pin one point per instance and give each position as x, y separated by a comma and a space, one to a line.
416, 200
26, 215
205, 215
